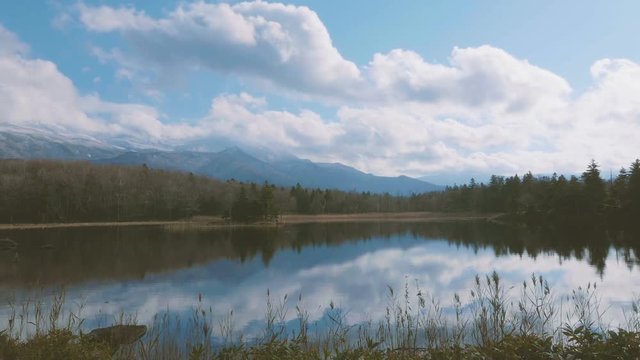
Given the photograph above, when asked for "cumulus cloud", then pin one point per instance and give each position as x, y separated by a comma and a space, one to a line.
289, 46
556, 134
475, 77
483, 111
33, 92
10, 44
245, 119
281, 44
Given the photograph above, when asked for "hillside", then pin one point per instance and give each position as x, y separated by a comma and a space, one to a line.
231, 163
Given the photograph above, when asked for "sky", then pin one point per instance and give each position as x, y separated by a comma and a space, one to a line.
442, 89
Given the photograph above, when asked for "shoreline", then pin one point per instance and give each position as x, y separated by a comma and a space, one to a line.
288, 219
383, 217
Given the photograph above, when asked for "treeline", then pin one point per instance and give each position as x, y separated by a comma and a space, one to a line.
58, 191
37, 191
549, 198
41, 191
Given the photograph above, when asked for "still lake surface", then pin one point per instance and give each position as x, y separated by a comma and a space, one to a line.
153, 269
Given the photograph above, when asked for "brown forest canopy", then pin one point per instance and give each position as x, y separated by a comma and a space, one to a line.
61, 191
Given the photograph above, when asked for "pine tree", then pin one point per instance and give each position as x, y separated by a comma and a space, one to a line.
633, 190
594, 188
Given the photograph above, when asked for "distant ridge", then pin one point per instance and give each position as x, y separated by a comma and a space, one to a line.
236, 164
231, 163
19, 143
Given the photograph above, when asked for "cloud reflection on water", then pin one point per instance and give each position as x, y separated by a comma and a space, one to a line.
354, 275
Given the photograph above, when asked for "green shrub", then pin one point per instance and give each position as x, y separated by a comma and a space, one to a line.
54, 345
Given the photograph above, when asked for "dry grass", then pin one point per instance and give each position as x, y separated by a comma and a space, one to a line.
215, 221
196, 221
497, 322
381, 217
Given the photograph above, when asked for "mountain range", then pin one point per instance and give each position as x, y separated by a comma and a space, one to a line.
231, 163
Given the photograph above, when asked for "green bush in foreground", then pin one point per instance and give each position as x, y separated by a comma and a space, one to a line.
582, 344
54, 345
620, 345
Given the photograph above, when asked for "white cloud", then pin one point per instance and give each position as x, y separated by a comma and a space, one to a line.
244, 119
484, 111
556, 134
35, 93
124, 74
617, 86
477, 76
285, 45
61, 21
105, 18
289, 46
10, 44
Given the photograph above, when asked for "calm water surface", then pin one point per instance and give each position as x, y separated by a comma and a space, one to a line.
149, 270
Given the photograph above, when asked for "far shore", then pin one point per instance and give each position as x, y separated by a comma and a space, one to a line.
212, 221
378, 217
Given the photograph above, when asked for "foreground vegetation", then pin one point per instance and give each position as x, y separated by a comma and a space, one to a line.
495, 322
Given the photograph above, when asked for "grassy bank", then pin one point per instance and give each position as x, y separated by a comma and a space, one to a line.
204, 221
495, 322
381, 217
215, 221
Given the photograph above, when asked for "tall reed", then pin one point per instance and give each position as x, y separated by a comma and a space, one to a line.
492, 321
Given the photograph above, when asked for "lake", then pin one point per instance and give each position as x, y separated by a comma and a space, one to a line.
148, 270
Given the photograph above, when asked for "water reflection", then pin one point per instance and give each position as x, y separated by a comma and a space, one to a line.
146, 270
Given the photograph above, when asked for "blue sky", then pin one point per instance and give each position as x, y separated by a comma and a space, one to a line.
413, 87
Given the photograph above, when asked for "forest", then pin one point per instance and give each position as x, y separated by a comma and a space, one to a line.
549, 198
42, 191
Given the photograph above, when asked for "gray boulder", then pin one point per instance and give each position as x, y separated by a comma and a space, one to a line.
118, 335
